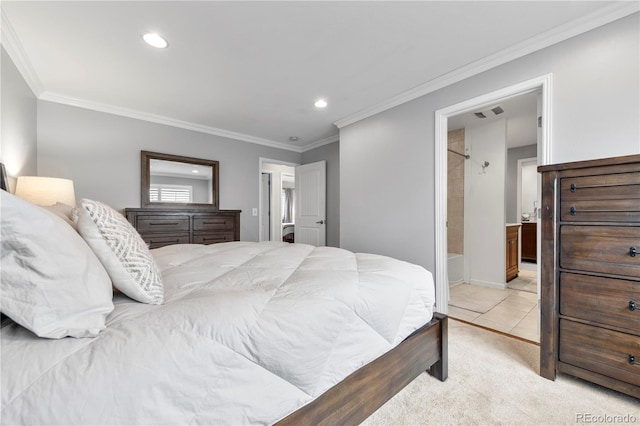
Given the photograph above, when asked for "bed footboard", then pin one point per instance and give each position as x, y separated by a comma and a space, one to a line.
355, 398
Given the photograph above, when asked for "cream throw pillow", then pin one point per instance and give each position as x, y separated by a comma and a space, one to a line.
50, 282
122, 251
65, 212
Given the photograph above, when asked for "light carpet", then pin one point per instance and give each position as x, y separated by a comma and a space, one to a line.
493, 379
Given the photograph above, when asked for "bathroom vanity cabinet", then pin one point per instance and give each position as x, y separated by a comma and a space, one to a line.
590, 272
529, 243
512, 251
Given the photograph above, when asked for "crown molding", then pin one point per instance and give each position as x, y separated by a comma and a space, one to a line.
320, 142
168, 121
564, 32
12, 45
609, 14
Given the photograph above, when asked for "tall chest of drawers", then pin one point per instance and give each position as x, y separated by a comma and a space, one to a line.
590, 266
162, 227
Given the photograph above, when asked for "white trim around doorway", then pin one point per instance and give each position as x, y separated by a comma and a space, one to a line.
261, 162
543, 84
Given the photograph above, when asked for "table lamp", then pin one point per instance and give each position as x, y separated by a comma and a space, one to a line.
46, 191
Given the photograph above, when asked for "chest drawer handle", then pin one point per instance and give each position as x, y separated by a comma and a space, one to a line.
633, 251
632, 360
573, 187
572, 210
632, 305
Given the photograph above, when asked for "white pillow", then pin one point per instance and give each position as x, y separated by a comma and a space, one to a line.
122, 251
51, 282
65, 212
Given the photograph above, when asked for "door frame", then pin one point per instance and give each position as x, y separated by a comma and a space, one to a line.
523, 162
542, 83
261, 162
263, 204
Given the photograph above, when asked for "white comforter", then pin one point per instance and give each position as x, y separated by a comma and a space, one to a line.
248, 333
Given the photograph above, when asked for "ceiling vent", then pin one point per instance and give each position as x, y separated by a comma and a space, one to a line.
489, 112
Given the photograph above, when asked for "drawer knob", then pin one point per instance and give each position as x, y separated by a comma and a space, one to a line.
632, 360
633, 251
572, 210
573, 187
632, 305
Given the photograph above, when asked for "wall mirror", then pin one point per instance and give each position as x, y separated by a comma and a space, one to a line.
174, 180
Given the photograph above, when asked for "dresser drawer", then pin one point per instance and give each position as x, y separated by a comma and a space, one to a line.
161, 240
213, 223
610, 197
605, 249
151, 224
604, 300
600, 350
217, 237
184, 225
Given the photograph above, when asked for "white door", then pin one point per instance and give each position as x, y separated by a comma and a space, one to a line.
310, 202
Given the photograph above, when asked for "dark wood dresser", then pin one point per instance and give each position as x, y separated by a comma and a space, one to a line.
590, 313
161, 227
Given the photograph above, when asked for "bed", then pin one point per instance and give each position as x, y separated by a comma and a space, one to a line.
242, 332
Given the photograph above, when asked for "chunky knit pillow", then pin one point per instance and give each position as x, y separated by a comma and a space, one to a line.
122, 251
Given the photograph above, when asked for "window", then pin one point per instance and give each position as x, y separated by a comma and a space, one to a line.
288, 209
171, 193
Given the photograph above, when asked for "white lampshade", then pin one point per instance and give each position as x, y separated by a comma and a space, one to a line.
46, 191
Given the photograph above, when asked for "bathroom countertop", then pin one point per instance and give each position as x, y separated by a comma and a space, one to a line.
513, 224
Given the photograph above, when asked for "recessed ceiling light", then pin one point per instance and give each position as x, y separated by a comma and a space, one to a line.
320, 103
194, 171
294, 138
155, 40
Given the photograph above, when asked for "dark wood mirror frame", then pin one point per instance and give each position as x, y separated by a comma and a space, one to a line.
145, 180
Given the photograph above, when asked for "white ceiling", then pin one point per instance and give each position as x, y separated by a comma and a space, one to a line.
520, 113
252, 70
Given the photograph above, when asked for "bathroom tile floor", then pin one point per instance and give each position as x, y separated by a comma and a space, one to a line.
511, 311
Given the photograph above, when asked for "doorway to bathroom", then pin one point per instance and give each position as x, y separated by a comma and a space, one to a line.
485, 146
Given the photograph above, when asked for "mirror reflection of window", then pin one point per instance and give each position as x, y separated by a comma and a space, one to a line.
175, 177
171, 193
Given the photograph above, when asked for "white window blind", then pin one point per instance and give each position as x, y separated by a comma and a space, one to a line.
171, 193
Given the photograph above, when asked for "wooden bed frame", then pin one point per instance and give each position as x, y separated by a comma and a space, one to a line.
355, 398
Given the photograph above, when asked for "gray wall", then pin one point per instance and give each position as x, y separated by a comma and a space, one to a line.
511, 189
100, 152
18, 143
387, 161
331, 154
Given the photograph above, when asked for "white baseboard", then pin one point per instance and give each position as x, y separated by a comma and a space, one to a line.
489, 284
